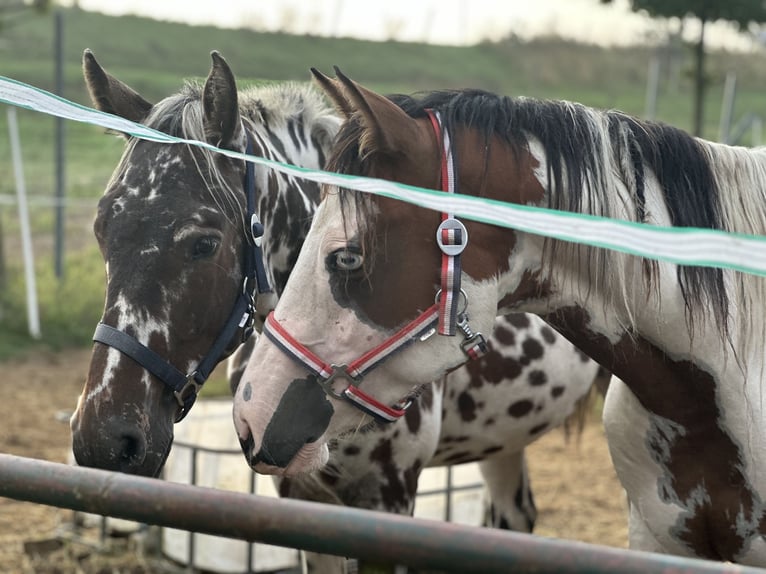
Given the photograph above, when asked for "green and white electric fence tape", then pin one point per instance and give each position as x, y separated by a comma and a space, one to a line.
680, 245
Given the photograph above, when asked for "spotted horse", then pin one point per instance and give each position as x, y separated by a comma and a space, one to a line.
684, 415
176, 230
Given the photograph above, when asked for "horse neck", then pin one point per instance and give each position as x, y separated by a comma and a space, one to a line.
624, 296
286, 204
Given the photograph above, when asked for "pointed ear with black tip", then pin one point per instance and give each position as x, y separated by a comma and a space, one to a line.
223, 126
387, 128
111, 95
334, 90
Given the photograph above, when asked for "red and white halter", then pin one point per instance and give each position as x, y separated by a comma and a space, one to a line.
452, 238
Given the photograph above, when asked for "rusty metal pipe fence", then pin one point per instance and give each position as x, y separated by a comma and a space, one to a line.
329, 529
250, 567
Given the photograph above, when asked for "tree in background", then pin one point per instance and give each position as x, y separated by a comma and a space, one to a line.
742, 13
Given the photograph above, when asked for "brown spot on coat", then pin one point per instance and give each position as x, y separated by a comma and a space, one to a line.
466, 406
705, 457
518, 320
412, 417
520, 408
493, 368
533, 350
537, 378
549, 336
504, 336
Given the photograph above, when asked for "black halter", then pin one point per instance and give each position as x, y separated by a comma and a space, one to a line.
186, 386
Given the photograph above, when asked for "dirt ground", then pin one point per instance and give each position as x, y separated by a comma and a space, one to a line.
577, 493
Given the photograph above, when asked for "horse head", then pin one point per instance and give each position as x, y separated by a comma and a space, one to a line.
186, 254
368, 283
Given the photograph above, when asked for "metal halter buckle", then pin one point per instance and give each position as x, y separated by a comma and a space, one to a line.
337, 371
190, 388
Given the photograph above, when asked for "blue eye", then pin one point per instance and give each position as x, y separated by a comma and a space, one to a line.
346, 260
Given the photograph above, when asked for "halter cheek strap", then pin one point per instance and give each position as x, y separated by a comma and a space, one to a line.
186, 386
451, 236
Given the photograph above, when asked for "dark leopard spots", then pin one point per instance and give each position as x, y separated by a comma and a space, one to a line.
393, 491
520, 408
426, 398
557, 391
467, 406
493, 368
518, 320
413, 418
548, 335
537, 378
351, 450
533, 350
504, 336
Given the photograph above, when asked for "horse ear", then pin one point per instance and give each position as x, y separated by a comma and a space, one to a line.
223, 126
109, 94
334, 90
387, 128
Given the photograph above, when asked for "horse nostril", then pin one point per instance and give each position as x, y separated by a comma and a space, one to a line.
131, 448
132, 451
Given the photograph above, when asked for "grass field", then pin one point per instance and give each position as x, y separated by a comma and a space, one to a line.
155, 58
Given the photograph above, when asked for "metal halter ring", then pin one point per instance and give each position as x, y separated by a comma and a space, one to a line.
337, 372
465, 300
192, 387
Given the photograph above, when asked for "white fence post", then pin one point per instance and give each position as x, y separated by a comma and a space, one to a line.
33, 315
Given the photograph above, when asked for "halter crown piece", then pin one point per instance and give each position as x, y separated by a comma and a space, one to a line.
186, 386
444, 315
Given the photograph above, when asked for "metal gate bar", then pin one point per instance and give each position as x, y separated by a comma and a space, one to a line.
329, 529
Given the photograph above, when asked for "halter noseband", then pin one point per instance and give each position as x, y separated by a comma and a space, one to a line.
186, 386
444, 315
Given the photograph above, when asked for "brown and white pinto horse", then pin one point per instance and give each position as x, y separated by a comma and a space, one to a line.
686, 430
173, 231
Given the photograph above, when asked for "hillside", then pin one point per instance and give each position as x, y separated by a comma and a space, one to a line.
154, 57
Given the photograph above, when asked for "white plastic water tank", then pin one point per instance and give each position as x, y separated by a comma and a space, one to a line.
210, 428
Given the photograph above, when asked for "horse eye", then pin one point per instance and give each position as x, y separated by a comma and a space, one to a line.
346, 260
205, 247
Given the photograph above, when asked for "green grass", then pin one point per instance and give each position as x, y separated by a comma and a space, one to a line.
69, 309
156, 57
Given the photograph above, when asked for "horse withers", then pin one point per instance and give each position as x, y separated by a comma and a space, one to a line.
685, 429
